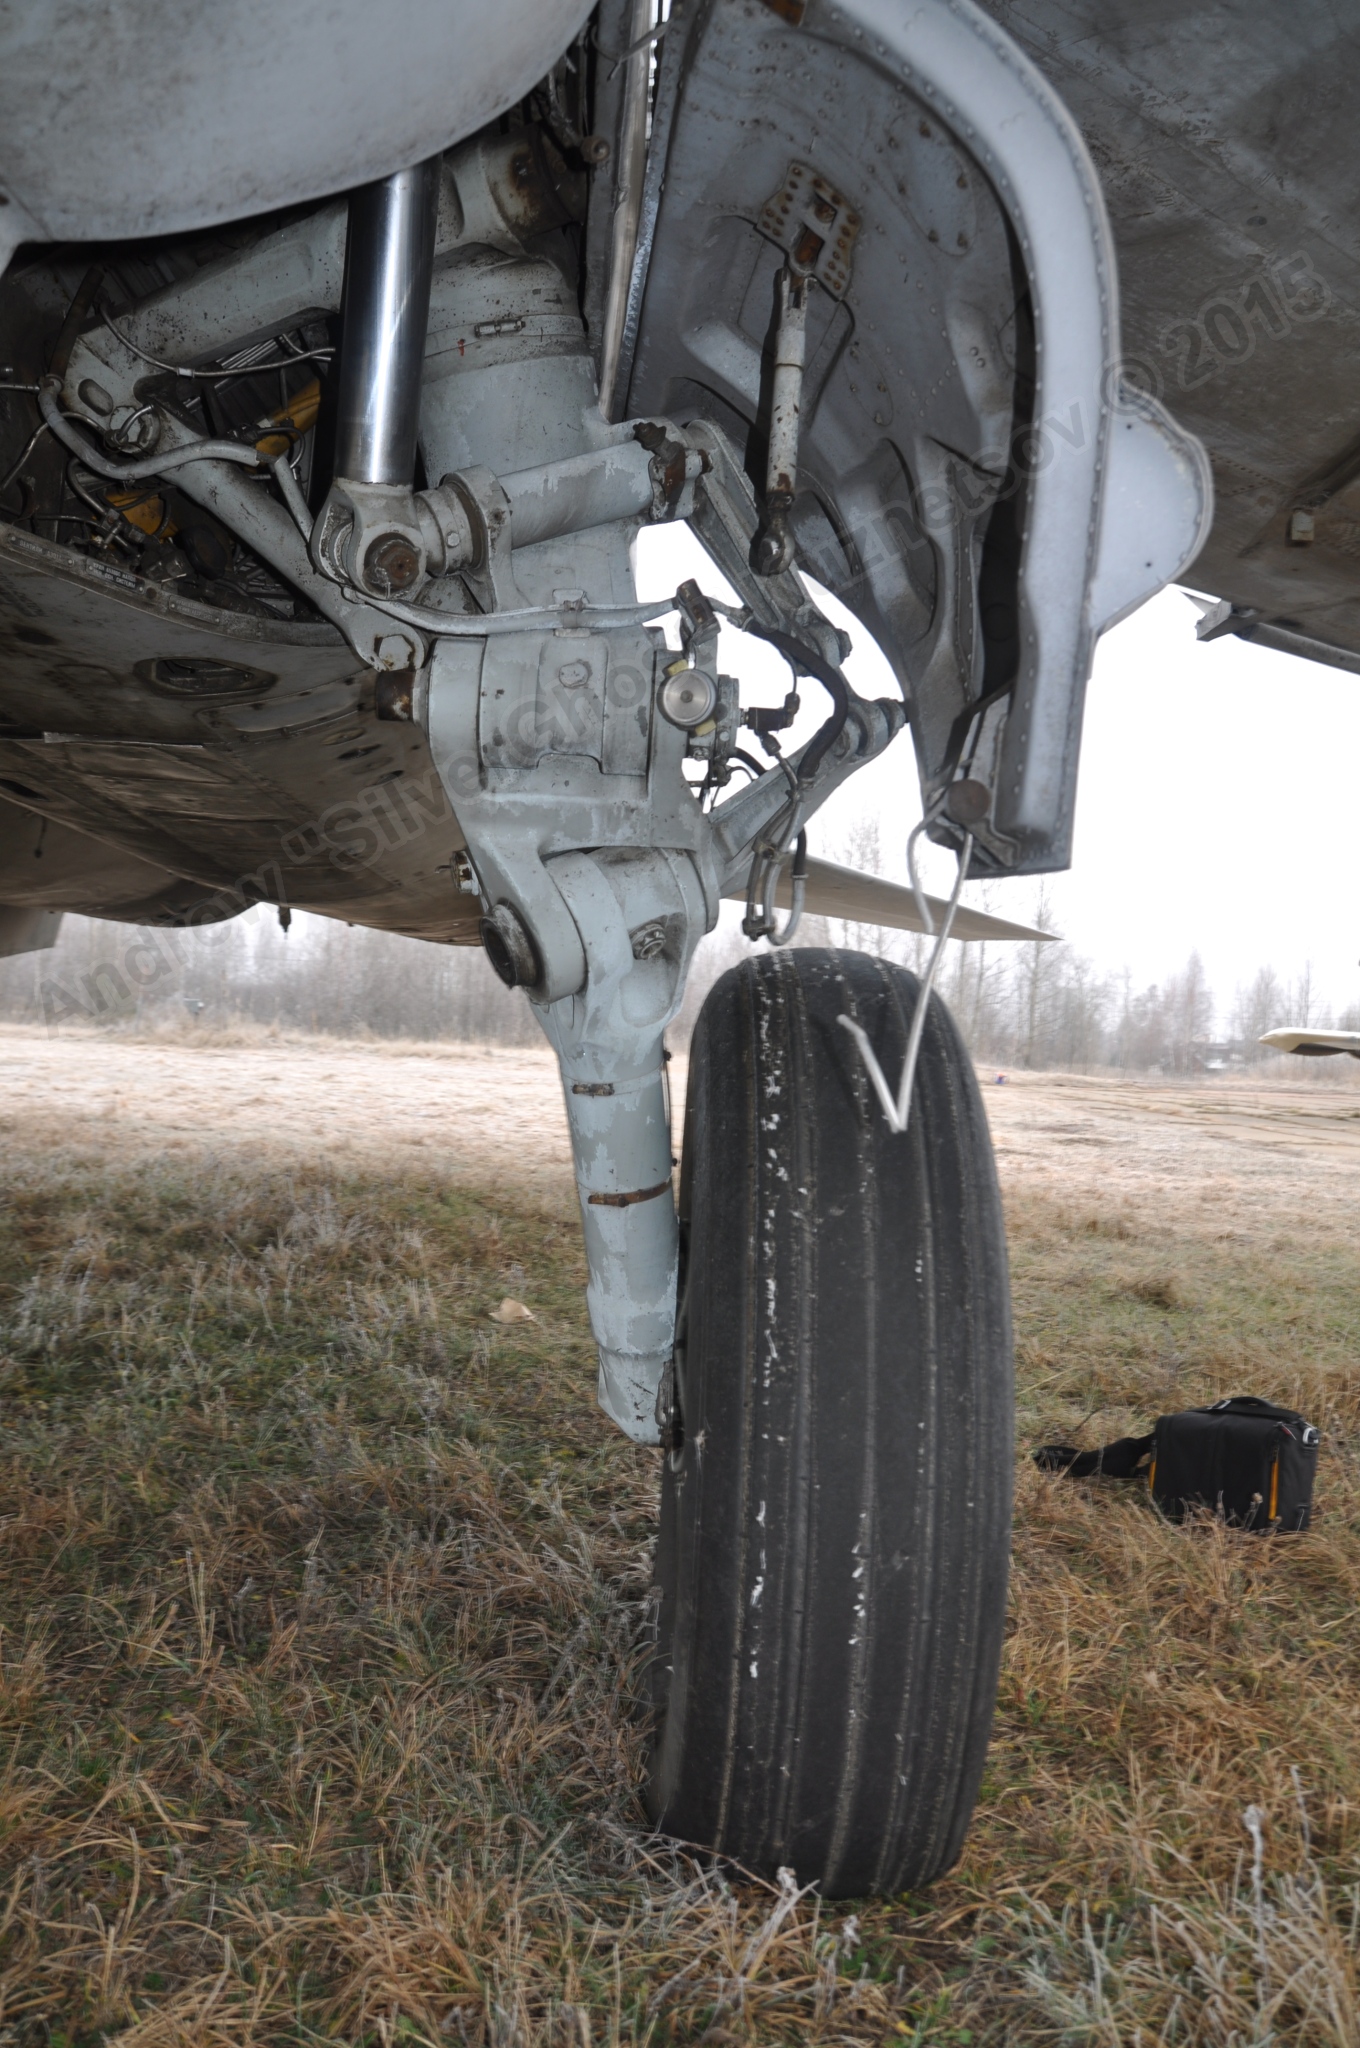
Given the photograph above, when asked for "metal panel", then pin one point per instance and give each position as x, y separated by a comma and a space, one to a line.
966, 179
1223, 132
27, 931
149, 117
292, 792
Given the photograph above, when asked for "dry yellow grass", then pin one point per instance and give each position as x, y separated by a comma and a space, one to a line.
322, 1601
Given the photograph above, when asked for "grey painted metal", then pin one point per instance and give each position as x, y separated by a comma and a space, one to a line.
950, 664
775, 551
27, 931
296, 273
870, 730
670, 62
526, 732
833, 890
163, 808
1224, 140
509, 380
1156, 507
369, 539
275, 284
151, 118
609, 1045
594, 489
1241, 622
48, 866
569, 787
570, 793
389, 260
920, 117
727, 519
163, 462
268, 528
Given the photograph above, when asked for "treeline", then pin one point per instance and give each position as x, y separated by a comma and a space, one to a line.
1047, 1006
1033, 1004
321, 975
1019, 1005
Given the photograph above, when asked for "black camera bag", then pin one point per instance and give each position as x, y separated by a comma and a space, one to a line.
1243, 1458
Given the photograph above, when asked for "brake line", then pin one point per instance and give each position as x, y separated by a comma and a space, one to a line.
49, 395
805, 660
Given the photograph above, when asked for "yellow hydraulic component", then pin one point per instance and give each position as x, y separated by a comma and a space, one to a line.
295, 418
147, 514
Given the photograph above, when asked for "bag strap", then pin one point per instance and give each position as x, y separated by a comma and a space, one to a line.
1118, 1460
1252, 1404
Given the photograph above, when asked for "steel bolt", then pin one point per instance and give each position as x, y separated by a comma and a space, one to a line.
968, 802
391, 564
394, 695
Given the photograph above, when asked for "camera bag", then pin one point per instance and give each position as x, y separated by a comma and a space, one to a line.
1245, 1459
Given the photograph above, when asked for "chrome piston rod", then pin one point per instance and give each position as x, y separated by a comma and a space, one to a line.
389, 260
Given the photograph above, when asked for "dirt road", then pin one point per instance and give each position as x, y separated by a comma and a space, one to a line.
1212, 1157
1217, 1156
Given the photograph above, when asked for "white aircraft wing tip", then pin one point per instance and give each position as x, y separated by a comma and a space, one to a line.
1312, 1044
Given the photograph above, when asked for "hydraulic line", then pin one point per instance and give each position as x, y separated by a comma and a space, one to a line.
807, 661
49, 402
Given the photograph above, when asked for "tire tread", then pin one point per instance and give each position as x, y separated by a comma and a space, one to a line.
835, 1532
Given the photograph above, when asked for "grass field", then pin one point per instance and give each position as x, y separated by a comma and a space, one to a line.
321, 1602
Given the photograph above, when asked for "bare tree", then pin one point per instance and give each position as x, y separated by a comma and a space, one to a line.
1190, 1019
1035, 969
1257, 1008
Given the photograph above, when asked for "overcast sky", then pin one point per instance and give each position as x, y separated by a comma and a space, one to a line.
1217, 804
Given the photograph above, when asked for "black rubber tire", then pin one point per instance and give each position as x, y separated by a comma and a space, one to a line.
835, 1523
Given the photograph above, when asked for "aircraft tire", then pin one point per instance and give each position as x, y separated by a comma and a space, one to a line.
836, 1494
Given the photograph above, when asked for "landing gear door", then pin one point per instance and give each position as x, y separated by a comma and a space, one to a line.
975, 481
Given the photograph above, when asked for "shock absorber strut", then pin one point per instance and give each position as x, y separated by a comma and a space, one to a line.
389, 260
774, 549
370, 533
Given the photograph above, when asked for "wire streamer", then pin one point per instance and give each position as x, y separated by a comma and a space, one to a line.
897, 1108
